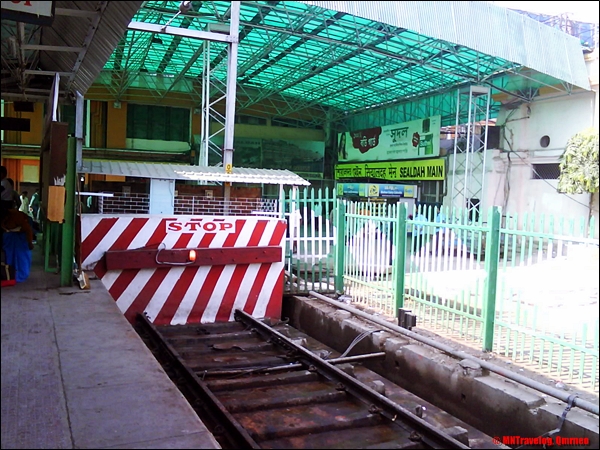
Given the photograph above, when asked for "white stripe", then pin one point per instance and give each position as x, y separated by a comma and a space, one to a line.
242, 296
107, 241
159, 298
272, 280
110, 277
250, 276
138, 283
87, 225
190, 297
216, 299
210, 313
141, 239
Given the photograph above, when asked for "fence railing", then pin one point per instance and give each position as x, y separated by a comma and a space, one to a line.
133, 203
525, 288
193, 205
310, 241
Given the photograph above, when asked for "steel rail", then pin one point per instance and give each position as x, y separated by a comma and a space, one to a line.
224, 418
429, 435
561, 395
283, 368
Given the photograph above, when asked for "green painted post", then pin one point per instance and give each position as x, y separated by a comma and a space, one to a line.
340, 246
400, 256
68, 227
492, 257
47, 244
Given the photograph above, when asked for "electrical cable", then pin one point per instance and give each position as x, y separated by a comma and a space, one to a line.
544, 180
356, 340
169, 263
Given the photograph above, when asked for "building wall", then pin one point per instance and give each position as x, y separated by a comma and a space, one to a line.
36, 125
509, 181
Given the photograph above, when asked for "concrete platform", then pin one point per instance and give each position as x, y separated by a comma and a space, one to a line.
76, 375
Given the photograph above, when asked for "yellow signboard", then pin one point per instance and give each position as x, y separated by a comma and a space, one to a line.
430, 169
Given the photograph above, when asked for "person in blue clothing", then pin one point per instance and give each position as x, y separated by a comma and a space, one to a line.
440, 218
418, 233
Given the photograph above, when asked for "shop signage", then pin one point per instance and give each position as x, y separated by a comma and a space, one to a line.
408, 140
377, 190
431, 170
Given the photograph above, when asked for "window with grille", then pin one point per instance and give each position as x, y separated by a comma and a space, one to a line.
545, 171
431, 192
250, 120
292, 123
161, 123
69, 116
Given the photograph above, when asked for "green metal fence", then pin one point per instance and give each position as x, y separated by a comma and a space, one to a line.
547, 301
525, 288
309, 252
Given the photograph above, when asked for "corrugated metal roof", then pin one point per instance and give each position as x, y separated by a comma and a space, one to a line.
484, 27
99, 35
195, 173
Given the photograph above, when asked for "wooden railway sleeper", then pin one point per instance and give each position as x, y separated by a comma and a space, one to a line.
433, 436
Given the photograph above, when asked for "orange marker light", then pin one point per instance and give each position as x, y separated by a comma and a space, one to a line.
192, 255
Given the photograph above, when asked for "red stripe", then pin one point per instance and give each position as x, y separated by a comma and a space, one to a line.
122, 282
100, 269
205, 293
257, 286
237, 277
127, 276
91, 242
173, 302
159, 235
278, 233
183, 240
143, 298
276, 299
212, 278
129, 234
231, 292
122, 243
274, 305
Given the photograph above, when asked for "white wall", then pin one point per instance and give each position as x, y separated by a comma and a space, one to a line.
151, 144
557, 117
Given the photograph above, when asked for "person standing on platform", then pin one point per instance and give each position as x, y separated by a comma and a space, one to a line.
7, 190
17, 241
15, 197
35, 205
24, 208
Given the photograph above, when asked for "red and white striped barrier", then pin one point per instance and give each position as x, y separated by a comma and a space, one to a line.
146, 273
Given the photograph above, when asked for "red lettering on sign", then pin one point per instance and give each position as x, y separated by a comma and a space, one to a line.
26, 3
174, 226
193, 226
210, 226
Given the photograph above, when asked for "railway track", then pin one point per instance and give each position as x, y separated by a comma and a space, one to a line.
256, 386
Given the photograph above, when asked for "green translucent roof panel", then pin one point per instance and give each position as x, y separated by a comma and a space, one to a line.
344, 56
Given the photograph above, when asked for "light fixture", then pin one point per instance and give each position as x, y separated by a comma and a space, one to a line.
192, 255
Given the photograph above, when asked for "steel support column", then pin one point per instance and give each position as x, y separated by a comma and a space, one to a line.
79, 129
470, 148
232, 60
